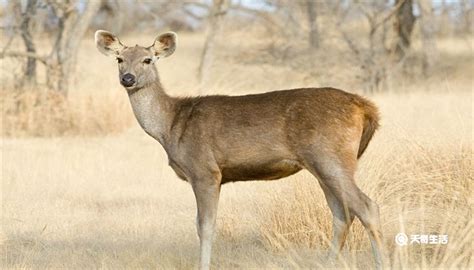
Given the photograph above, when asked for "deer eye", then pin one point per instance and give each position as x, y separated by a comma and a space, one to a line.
147, 61
119, 60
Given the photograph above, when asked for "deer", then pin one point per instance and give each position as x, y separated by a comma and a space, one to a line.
211, 140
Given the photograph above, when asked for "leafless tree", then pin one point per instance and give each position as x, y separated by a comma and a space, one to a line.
404, 23
428, 35
72, 24
445, 28
467, 14
27, 12
216, 15
372, 57
112, 12
72, 27
312, 15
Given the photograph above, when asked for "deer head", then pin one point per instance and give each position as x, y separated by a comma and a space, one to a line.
136, 64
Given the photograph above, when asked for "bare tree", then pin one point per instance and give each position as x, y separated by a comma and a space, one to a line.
427, 25
371, 58
445, 28
467, 13
216, 15
72, 27
112, 12
27, 12
72, 24
404, 23
312, 15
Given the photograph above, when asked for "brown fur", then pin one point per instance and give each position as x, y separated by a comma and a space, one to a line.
212, 140
259, 137
371, 124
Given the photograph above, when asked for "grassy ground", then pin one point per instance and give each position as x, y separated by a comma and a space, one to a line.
112, 202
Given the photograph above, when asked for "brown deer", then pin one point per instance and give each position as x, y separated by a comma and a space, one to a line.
213, 140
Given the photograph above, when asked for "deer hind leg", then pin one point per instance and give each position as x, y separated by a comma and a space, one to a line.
337, 176
341, 222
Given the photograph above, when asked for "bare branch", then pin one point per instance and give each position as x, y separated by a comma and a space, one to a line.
350, 43
260, 14
372, 17
352, 46
197, 4
9, 42
40, 58
192, 15
389, 15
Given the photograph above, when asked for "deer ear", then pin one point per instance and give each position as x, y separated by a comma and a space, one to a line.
165, 44
108, 43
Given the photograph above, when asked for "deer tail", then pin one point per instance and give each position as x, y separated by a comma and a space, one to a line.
371, 123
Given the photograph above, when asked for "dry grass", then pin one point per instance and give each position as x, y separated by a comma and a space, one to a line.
112, 202
47, 113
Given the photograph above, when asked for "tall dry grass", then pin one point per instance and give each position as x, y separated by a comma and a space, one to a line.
45, 113
427, 194
81, 202
418, 169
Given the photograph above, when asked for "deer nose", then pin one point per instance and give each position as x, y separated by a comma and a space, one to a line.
127, 80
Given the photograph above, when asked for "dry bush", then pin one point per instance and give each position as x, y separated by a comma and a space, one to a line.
43, 113
344, 54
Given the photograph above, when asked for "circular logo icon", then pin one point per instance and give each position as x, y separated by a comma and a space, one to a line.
401, 239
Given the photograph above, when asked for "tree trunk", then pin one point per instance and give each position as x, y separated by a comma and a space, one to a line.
114, 12
467, 14
73, 21
312, 16
216, 15
427, 24
404, 22
27, 13
70, 35
445, 28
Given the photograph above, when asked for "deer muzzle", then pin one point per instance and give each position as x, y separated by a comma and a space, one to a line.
127, 80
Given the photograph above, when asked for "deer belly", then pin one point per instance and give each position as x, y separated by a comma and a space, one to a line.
260, 171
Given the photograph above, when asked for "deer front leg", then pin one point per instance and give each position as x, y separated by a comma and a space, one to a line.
207, 198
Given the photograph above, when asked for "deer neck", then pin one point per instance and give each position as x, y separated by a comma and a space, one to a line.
154, 110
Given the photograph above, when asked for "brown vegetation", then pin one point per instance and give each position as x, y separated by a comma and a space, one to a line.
45, 113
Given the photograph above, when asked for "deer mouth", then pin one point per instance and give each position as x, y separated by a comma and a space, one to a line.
128, 85
132, 89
